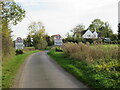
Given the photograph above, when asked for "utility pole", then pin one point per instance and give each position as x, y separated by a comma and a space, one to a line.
119, 20
119, 30
1, 7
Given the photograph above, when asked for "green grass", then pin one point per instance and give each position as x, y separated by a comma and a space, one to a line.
91, 74
29, 47
107, 45
11, 67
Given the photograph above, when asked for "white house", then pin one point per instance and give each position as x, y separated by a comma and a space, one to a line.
95, 34
89, 34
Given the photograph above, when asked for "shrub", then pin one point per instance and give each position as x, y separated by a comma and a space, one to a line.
100, 75
19, 52
58, 49
89, 53
41, 44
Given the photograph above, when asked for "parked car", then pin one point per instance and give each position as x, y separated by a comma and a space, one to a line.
107, 40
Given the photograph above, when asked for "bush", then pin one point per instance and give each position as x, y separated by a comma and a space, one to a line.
42, 44
89, 53
19, 52
87, 40
48, 47
101, 74
58, 49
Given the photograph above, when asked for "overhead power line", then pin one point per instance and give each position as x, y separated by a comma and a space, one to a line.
27, 15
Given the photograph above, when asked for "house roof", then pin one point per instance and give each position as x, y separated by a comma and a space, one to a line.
92, 31
56, 35
83, 32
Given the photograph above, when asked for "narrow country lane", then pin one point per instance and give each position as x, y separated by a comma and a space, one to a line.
40, 71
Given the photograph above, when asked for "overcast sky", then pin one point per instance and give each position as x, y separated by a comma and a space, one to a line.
60, 16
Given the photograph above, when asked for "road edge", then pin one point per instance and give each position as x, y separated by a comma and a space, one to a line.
18, 76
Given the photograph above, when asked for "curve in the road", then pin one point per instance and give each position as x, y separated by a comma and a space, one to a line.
40, 71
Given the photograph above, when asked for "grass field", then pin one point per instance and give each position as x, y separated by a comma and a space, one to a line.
11, 67
102, 73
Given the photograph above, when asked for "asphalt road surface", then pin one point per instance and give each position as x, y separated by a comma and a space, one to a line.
40, 71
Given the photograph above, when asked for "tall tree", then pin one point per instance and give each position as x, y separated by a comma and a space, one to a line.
35, 27
11, 13
69, 38
96, 25
49, 40
7, 44
28, 41
37, 30
77, 30
106, 31
102, 27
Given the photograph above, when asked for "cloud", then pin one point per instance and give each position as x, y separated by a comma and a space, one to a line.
60, 16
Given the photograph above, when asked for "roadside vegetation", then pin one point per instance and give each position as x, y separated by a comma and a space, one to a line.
88, 53
98, 66
103, 29
12, 13
11, 67
37, 37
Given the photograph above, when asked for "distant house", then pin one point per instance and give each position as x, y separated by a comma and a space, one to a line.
89, 34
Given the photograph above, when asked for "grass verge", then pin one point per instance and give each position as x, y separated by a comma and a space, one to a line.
11, 67
89, 74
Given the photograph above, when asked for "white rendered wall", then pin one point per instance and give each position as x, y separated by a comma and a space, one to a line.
95, 35
88, 34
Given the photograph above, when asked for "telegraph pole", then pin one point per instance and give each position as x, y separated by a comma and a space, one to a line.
119, 20
119, 30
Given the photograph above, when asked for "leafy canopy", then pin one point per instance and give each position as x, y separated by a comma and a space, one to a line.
77, 30
12, 12
37, 31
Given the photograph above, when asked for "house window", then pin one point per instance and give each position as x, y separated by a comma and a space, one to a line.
88, 35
